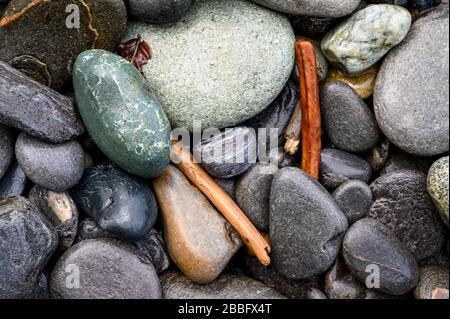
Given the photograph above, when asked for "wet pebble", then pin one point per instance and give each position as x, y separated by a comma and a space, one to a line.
55, 167
99, 263
338, 167
306, 225
119, 203
159, 11
348, 121
369, 243
13, 182
6, 150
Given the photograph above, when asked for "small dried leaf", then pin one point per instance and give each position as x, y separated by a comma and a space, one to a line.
136, 51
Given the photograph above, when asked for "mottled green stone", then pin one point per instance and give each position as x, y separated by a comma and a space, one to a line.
364, 38
123, 117
438, 186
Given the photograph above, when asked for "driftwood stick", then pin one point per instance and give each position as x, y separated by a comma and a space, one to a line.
310, 106
293, 132
222, 201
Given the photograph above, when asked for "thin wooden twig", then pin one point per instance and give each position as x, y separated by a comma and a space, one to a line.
310, 106
222, 201
293, 132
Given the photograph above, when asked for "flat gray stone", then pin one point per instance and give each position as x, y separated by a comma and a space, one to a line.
213, 66
306, 225
370, 243
348, 121
106, 270
411, 98
318, 8
177, 286
55, 167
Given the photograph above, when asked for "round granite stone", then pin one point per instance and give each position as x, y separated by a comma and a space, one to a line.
190, 76
438, 186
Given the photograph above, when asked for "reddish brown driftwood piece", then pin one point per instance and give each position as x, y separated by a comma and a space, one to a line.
311, 118
199, 177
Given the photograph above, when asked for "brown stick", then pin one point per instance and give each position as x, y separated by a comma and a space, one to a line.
311, 117
199, 177
293, 132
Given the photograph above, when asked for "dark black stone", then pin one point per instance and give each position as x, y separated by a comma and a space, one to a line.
423, 5
13, 182
370, 243
278, 114
253, 194
119, 203
159, 11
151, 249
55, 167
6, 149
402, 203
103, 269
312, 26
36, 109
338, 167
60, 210
399, 160
27, 241
348, 121
354, 198
228, 154
403, 3
306, 225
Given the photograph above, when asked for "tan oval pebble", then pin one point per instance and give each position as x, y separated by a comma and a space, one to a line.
199, 240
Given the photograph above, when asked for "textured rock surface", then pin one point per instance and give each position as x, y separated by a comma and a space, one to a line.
354, 198
159, 11
438, 186
199, 84
151, 249
106, 269
338, 167
348, 121
177, 286
123, 118
411, 95
6, 150
13, 182
56, 167
200, 241
368, 242
319, 8
363, 39
399, 160
306, 225
253, 194
49, 58
229, 153
402, 203
36, 109
27, 241
431, 279
60, 210
119, 203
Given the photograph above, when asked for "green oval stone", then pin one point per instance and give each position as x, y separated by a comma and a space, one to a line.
124, 119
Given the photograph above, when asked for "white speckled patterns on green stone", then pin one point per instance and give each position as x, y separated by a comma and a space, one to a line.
364, 38
123, 118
